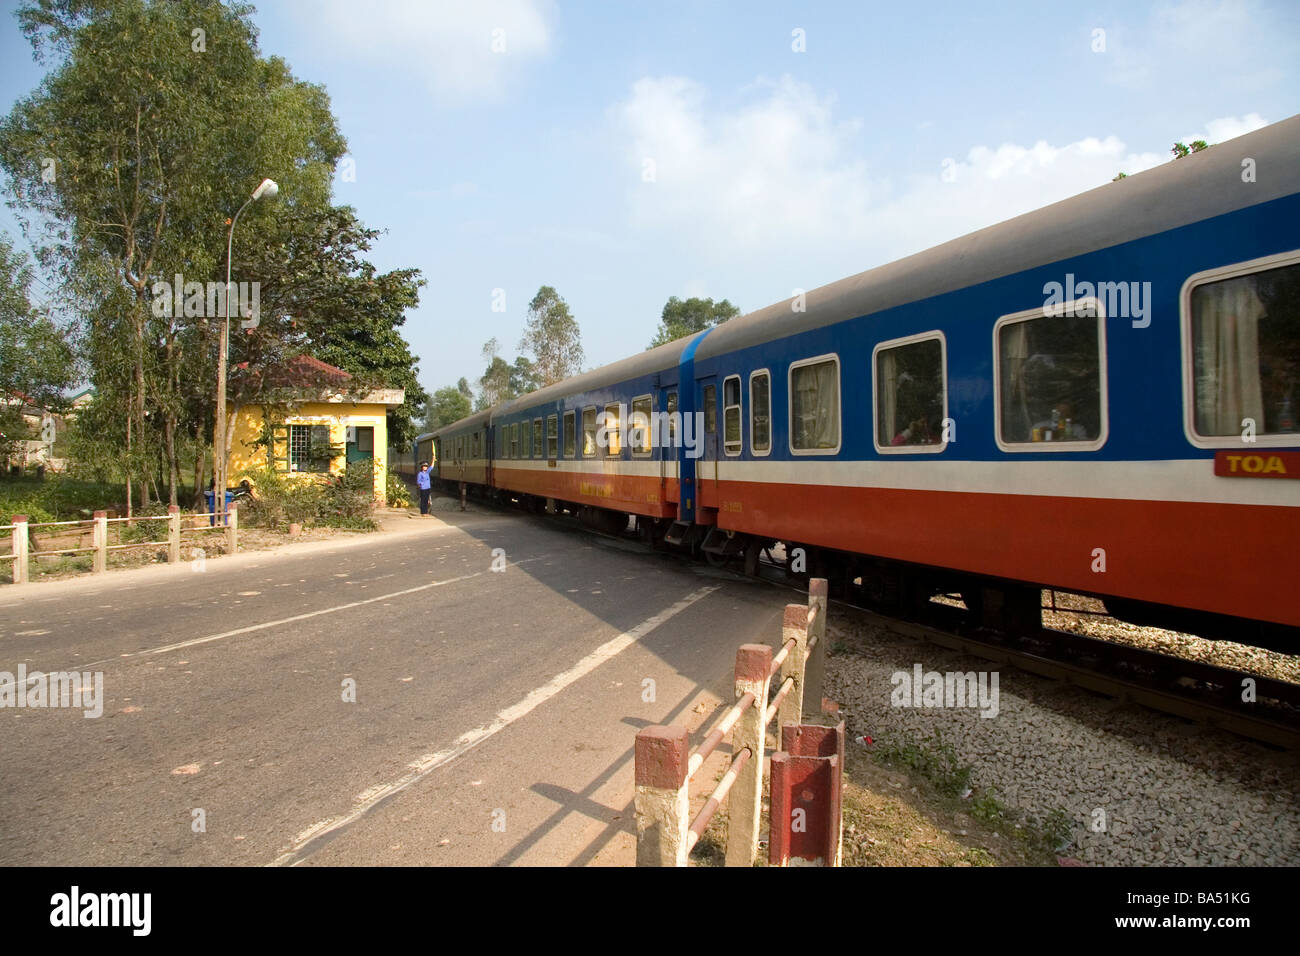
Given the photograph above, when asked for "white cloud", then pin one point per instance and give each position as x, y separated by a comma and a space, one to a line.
777, 179
463, 51
1229, 127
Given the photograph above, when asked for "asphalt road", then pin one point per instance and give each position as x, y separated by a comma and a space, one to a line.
494, 711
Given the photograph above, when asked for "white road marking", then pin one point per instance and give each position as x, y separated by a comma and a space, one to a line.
166, 648
425, 765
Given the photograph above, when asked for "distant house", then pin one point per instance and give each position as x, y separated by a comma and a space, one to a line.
38, 450
297, 414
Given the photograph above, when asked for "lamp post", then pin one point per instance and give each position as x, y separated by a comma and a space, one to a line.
268, 189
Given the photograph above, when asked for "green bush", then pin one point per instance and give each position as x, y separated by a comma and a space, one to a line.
136, 532
342, 501
399, 496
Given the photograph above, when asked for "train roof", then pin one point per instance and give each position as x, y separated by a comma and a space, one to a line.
1193, 188
1176, 193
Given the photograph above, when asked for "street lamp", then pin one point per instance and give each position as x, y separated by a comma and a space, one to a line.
267, 189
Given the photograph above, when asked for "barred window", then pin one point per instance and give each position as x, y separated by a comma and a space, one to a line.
309, 448
552, 438
537, 437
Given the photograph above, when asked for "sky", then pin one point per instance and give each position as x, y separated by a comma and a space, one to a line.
627, 152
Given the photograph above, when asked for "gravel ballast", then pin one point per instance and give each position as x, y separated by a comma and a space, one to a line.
1140, 787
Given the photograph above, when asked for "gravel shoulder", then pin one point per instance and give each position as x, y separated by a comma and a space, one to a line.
1102, 782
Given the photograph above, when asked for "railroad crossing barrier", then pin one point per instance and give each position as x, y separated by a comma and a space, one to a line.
21, 552
664, 764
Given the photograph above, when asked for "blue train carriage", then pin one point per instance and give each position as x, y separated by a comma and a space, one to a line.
602, 445
462, 452
1097, 396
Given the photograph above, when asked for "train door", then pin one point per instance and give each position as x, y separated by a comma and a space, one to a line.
707, 402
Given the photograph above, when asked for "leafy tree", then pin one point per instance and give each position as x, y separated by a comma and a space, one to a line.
36, 360
552, 337
447, 405
138, 144
524, 377
682, 318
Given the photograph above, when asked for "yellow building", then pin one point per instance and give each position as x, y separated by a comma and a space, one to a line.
316, 414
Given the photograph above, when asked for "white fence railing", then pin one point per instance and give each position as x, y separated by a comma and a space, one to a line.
22, 536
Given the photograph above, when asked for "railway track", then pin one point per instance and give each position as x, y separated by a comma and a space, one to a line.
1193, 690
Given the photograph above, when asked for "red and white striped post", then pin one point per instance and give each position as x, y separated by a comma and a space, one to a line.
663, 803
753, 676
20, 549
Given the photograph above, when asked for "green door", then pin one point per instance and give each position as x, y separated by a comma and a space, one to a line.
361, 445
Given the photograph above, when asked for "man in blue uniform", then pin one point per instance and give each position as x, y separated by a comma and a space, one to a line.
422, 482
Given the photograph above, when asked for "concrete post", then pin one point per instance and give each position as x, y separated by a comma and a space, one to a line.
99, 539
795, 626
232, 528
815, 669
753, 669
20, 549
663, 803
173, 534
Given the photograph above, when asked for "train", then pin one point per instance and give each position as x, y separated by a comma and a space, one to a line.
1098, 396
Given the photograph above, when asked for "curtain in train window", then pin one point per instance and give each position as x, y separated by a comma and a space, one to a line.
909, 394
588, 433
639, 426
1050, 372
815, 406
1246, 353
760, 413
613, 437
570, 444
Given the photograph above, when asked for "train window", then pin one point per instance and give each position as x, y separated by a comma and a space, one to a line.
1242, 328
514, 440
570, 445
537, 438
639, 436
760, 413
552, 437
815, 406
1050, 378
672, 419
588, 432
731, 439
710, 396
525, 441
613, 437
911, 394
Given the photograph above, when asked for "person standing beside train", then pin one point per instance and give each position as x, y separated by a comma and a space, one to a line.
422, 482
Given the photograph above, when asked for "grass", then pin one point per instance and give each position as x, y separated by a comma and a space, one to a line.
56, 498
